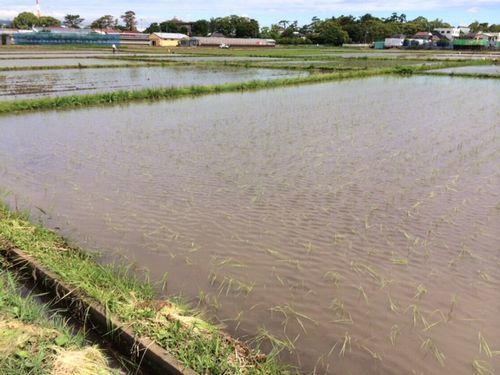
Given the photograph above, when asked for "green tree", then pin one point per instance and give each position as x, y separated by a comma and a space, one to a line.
235, 26
25, 21
222, 25
437, 23
273, 32
168, 27
129, 20
200, 28
73, 21
291, 31
153, 28
330, 32
104, 22
47, 21
246, 28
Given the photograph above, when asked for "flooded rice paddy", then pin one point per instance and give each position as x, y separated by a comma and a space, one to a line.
357, 222
29, 84
482, 69
73, 61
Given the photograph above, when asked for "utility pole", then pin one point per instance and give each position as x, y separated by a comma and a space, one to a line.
38, 13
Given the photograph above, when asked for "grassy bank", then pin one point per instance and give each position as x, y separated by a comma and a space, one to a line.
181, 332
32, 344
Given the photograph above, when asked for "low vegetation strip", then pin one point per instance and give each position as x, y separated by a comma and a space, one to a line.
180, 331
30, 343
462, 75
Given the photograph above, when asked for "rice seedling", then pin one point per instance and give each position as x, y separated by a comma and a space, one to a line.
429, 346
289, 312
346, 345
276, 254
481, 368
399, 260
416, 315
277, 344
220, 262
364, 269
393, 306
334, 276
484, 347
454, 300
486, 278
372, 353
395, 331
362, 293
342, 316
421, 290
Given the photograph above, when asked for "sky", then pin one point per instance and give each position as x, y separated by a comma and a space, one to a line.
267, 12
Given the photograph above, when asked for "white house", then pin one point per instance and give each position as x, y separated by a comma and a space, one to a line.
394, 42
492, 38
452, 32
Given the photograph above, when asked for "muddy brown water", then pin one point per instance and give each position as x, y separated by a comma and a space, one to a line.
29, 84
358, 220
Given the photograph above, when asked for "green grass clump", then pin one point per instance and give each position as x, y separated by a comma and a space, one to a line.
30, 343
194, 342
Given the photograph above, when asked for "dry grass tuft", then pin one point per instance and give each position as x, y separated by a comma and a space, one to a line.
89, 361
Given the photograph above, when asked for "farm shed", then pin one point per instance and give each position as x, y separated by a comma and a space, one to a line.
394, 42
6, 36
134, 39
166, 39
470, 44
233, 42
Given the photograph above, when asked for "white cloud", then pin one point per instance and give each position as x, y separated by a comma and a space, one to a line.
473, 10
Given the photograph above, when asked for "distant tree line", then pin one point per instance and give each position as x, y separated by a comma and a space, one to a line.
349, 29
27, 20
230, 26
333, 31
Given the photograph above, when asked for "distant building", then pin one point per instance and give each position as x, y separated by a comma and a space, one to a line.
451, 33
395, 41
60, 36
62, 30
473, 44
491, 38
214, 41
423, 38
6, 36
167, 39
